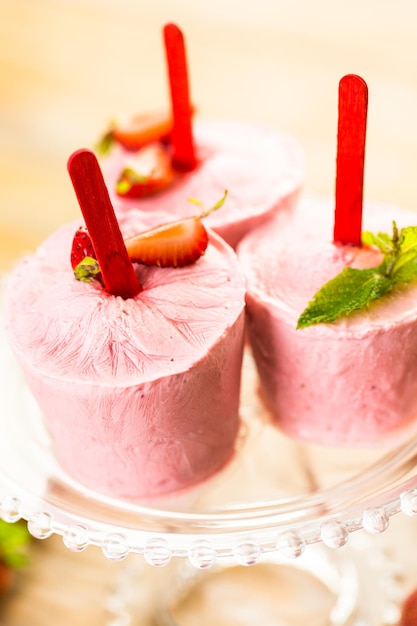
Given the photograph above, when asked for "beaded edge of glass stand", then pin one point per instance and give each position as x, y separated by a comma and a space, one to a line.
246, 549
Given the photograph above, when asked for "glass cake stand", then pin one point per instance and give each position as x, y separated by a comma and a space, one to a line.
280, 506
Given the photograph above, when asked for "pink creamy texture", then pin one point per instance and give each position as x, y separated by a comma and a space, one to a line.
262, 171
349, 382
141, 396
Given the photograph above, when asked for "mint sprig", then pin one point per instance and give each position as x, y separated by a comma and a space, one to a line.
354, 289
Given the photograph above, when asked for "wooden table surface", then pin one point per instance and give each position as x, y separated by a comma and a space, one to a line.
68, 66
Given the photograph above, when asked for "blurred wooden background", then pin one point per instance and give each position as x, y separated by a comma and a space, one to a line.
68, 66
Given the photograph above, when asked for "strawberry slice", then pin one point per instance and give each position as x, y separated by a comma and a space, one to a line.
149, 172
83, 257
174, 244
143, 129
136, 132
82, 247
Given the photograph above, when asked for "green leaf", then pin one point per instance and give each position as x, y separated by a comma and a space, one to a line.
405, 268
350, 291
220, 202
14, 539
381, 241
216, 206
354, 289
128, 178
196, 201
87, 269
105, 143
408, 239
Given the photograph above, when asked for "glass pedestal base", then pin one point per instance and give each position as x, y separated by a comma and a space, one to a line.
361, 585
320, 588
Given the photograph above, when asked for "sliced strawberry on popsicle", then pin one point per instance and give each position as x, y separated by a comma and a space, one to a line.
143, 129
174, 244
146, 173
83, 257
82, 247
136, 132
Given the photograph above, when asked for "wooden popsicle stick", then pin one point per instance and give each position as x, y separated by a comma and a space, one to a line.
184, 158
350, 160
116, 268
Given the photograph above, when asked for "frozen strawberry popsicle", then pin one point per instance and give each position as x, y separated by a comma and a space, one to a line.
332, 309
262, 169
349, 381
138, 380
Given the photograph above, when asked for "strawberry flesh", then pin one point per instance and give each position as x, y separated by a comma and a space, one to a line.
148, 173
175, 244
142, 130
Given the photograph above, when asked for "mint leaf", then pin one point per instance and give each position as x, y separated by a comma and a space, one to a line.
408, 239
381, 241
354, 289
405, 268
350, 291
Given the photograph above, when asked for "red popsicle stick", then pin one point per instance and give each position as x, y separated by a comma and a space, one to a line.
116, 268
182, 142
351, 134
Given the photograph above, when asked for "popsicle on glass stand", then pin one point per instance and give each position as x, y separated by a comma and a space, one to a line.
117, 358
332, 310
153, 162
